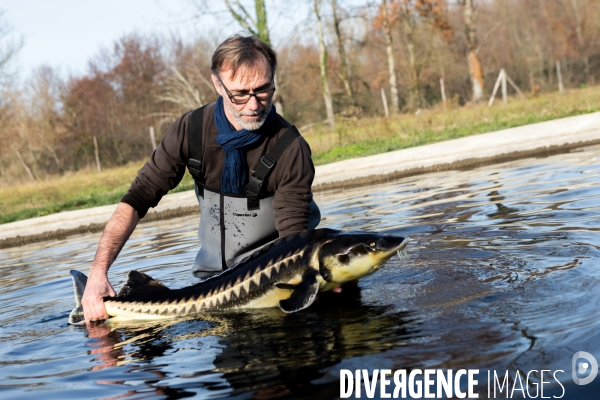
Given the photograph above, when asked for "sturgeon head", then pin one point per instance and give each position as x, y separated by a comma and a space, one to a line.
354, 255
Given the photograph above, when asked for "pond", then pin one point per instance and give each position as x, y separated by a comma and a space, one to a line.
502, 274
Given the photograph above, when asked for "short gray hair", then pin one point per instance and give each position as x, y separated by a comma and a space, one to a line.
239, 51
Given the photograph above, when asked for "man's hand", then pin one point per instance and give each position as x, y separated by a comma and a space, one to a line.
96, 289
117, 231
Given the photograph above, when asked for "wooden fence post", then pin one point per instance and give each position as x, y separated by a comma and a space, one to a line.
504, 91
443, 90
385, 104
152, 138
29, 172
514, 85
496, 86
502, 79
559, 76
97, 155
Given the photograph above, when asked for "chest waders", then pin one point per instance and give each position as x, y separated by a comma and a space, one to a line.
232, 226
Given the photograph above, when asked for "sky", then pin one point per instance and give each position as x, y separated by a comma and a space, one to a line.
66, 34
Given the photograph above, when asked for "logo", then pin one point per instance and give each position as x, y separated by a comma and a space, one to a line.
580, 367
253, 215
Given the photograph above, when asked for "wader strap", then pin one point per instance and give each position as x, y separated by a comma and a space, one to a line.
194, 163
265, 166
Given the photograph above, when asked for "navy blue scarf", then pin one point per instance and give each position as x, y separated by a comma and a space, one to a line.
235, 170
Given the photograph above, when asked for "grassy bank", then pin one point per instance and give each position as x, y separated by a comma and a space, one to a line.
367, 136
72, 191
351, 138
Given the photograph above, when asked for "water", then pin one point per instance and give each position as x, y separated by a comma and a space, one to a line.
503, 274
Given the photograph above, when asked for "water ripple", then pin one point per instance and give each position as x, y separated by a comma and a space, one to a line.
502, 272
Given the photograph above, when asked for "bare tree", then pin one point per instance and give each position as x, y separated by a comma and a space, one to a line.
143, 82
44, 119
180, 90
9, 47
188, 85
8, 50
407, 14
384, 17
323, 65
345, 69
256, 25
581, 41
475, 70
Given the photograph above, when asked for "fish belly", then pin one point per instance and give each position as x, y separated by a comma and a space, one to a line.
270, 299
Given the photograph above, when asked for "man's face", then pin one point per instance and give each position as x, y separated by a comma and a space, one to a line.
252, 114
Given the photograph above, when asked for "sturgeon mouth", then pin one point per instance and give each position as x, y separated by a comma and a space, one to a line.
399, 250
387, 250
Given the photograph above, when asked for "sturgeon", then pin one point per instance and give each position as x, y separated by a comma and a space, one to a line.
288, 273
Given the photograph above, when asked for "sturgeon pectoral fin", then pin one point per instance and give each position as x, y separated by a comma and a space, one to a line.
303, 294
286, 286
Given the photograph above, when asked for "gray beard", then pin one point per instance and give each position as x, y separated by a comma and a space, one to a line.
251, 126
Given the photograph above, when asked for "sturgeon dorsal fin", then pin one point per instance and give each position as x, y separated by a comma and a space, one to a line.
139, 283
303, 294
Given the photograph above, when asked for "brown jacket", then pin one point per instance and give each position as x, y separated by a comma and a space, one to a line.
290, 180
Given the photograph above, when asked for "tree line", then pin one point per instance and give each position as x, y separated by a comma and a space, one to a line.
347, 60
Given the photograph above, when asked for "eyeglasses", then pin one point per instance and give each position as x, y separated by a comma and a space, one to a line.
261, 95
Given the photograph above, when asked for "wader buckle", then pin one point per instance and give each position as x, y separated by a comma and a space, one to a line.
253, 201
194, 166
253, 187
267, 161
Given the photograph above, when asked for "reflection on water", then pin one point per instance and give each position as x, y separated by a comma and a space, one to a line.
260, 350
502, 274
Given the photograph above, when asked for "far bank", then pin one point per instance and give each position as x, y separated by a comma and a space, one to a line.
541, 139
353, 137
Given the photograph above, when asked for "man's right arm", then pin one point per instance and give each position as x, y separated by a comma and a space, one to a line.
117, 231
160, 174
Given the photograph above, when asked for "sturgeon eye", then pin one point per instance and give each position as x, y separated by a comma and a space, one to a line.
373, 244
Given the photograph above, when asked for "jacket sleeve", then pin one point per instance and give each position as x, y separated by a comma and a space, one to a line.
163, 171
293, 189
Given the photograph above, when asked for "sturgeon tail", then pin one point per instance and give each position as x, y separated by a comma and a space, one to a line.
79, 282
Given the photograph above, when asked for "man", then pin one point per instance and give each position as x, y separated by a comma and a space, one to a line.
253, 172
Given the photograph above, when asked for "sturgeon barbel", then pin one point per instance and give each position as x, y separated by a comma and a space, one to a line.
287, 273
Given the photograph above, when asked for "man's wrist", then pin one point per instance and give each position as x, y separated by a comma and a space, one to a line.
98, 272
